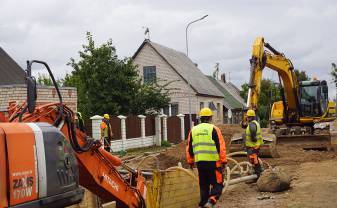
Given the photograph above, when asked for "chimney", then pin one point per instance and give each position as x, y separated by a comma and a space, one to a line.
195, 64
223, 77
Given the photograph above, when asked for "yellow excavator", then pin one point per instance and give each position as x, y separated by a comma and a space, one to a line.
302, 116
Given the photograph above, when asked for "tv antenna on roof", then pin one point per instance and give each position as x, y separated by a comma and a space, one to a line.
146, 33
216, 71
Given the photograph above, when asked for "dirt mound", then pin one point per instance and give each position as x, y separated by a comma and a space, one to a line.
172, 156
228, 130
163, 160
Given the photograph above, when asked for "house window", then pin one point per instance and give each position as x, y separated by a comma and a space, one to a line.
166, 110
171, 110
211, 106
201, 105
149, 73
174, 109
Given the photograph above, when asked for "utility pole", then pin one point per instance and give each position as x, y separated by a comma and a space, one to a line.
189, 84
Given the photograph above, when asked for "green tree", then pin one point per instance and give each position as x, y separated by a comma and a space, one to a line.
269, 93
107, 84
244, 91
301, 75
44, 79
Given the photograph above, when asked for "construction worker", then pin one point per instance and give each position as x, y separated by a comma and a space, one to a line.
206, 148
106, 133
253, 141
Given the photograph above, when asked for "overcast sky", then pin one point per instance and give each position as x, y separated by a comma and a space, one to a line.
54, 30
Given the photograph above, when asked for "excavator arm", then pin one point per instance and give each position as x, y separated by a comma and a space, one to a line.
97, 167
276, 61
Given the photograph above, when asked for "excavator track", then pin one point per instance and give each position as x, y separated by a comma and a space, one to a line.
326, 141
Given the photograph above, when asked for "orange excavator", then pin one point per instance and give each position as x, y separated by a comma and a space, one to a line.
44, 158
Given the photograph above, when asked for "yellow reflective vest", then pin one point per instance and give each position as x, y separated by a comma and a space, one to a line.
259, 140
203, 145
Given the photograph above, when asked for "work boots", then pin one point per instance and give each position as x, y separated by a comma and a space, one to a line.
258, 170
209, 205
211, 202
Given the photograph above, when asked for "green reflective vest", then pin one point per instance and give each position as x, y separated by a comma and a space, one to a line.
204, 148
259, 140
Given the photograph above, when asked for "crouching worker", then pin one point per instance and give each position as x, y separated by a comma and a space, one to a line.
206, 148
253, 142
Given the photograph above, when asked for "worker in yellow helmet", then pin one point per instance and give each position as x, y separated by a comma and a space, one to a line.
206, 147
106, 132
253, 141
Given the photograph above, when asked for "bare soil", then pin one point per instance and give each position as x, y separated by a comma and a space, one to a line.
314, 182
313, 173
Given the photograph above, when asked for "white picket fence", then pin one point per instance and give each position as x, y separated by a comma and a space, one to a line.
142, 141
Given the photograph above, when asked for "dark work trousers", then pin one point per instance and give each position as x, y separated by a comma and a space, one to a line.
107, 144
253, 158
210, 181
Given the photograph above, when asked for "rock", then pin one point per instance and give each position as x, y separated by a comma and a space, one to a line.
273, 180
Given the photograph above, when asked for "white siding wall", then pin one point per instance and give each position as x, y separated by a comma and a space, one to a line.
218, 114
149, 57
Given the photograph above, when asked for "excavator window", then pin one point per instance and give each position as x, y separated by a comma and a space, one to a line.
313, 98
310, 100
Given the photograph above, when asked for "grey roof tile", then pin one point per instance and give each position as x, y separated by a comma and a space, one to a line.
10, 71
232, 99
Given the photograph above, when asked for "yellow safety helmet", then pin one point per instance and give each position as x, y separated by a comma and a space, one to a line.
251, 113
205, 112
106, 116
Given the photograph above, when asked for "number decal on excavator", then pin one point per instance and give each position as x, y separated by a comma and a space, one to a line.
23, 187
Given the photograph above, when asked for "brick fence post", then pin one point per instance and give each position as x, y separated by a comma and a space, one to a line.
182, 126
164, 127
95, 126
123, 131
142, 128
158, 130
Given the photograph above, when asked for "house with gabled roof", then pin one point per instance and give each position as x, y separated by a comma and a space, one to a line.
155, 61
234, 105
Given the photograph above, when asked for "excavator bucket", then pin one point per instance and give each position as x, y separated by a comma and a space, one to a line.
268, 149
304, 138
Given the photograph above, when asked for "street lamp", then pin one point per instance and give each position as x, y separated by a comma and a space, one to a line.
189, 84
